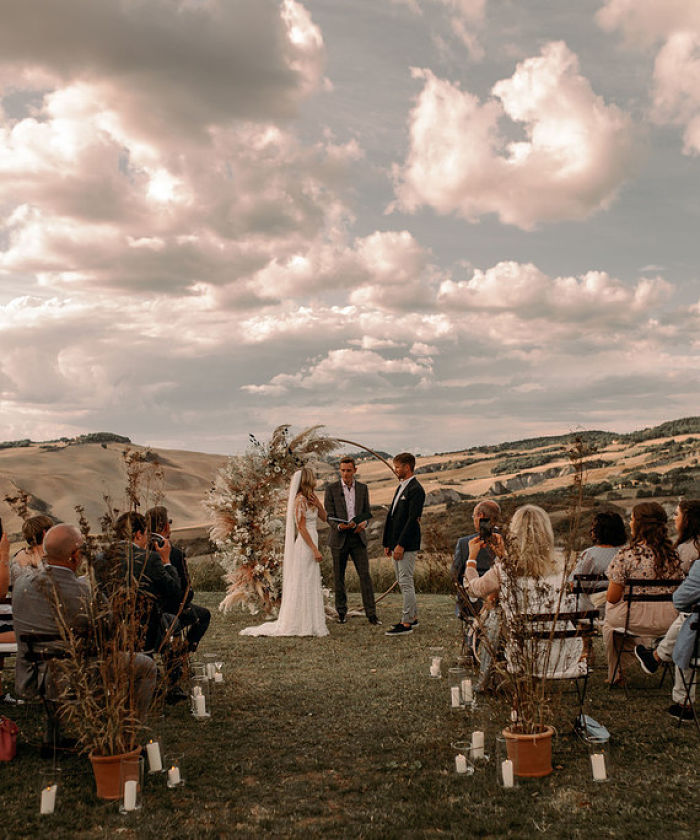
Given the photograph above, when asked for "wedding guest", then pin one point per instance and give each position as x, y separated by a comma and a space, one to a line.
36, 613
401, 538
30, 557
687, 522
608, 534
529, 581
486, 514
193, 618
147, 563
651, 556
348, 499
6, 626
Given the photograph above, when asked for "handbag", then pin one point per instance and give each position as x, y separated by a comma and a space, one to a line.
8, 738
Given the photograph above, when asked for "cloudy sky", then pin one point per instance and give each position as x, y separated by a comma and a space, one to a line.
426, 224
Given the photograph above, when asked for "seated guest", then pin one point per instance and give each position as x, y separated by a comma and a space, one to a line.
147, 562
6, 626
157, 580
30, 558
486, 513
650, 555
532, 585
35, 613
687, 522
193, 618
608, 534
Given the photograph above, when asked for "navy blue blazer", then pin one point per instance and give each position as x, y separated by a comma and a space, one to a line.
402, 527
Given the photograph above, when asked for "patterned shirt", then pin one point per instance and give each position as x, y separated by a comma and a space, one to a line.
637, 561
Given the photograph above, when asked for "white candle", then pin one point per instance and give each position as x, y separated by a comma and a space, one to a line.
461, 763
507, 773
434, 670
155, 764
467, 693
200, 708
598, 765
218, 677
48, 799
478, 744
456, 701
174, 776
130, 788
211, 670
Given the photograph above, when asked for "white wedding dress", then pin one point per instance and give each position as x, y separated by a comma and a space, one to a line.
302, 611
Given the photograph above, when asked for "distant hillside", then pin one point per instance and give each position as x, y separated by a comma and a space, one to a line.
662, 461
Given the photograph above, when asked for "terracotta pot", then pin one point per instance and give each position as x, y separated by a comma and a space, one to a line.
107, 770
531, 754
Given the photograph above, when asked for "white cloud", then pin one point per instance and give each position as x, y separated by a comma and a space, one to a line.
576, 153
675, 25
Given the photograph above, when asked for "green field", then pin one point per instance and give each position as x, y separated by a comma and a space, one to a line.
347, 736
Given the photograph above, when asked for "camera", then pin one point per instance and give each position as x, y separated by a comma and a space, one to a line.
156, 541
485, 528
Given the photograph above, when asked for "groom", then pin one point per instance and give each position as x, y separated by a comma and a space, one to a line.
401, 538
349, 499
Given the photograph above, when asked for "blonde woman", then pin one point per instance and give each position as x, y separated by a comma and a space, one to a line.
302, 611
529, 581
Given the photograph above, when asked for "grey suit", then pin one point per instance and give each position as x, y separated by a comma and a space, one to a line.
348, 544
35, 614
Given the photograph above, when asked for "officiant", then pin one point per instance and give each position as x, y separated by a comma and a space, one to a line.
347, 505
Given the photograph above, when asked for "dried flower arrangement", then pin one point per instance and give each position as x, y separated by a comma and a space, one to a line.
247, 500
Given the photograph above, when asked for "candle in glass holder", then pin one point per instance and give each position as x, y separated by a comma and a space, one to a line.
173, 776
467, 691
507, 773
155, 763
456, 699
130, 788
218, 677
478, 744
435, 666
48, 799
461, 763
200, 708
598, 766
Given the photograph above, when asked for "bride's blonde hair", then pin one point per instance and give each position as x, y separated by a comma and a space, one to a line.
307, 482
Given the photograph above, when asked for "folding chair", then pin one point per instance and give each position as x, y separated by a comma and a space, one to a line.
694, 666
548, 627
40, 650
622, 635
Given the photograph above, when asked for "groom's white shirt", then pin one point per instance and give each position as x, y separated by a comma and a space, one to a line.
402, 486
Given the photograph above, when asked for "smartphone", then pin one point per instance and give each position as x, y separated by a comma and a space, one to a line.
485, 528
157, 541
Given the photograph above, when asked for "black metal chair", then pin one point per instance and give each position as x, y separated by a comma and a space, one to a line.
622, 635
694, 667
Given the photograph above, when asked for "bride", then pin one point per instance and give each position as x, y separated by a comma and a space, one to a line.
302, 612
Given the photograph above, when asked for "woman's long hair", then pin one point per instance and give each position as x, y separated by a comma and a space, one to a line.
307, 482
649, 527
690, 522
531, 536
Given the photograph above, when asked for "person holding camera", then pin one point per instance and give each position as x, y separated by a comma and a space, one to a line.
193, 618
486, 516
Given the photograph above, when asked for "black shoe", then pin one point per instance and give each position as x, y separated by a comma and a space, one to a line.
682, 713
646, 659
175, 695
374, 620
341, 619
399, 630
414, 623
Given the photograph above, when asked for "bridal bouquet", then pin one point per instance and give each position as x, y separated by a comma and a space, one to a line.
247, 501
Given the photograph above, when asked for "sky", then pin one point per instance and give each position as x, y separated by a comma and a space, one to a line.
424, 224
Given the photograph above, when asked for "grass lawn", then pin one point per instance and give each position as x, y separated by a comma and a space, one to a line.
348, 736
